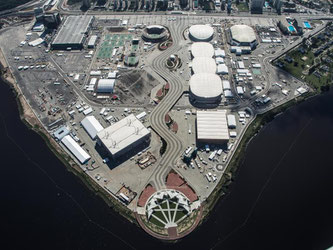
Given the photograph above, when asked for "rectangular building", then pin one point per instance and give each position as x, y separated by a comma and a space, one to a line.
123, 136
75, 149
72, 33
212, 126
92, 126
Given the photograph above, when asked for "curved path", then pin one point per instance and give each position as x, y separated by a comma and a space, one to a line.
174, 144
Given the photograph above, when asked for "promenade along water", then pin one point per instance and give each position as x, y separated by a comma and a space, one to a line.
43, 206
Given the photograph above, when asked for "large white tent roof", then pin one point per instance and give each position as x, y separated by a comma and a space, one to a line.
202, 49
206, 85
92, 126
122, 134
201, 32
212, 125
243, 33
75, 149
203, 65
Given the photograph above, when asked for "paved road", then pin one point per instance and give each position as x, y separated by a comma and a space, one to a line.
174, 144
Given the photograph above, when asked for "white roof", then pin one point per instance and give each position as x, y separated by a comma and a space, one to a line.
231, 121
222, 69
242, 33
36, 42
241, 65
219, 60
112, 75
226, 84
92, 40
75, 149
240, 90
206, 85
92, 126
122, 134
88, 111
106, 85
202, 49
228, 93
219, 53
201, 32
203, 65
212, 125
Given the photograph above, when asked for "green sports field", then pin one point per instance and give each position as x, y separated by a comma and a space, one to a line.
110, 42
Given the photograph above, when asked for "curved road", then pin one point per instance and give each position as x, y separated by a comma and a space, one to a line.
174, 144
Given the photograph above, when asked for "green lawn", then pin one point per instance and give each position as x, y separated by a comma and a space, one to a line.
179, 215
156, 222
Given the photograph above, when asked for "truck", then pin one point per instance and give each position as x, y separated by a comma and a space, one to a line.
207, 148
208, 177
212, 155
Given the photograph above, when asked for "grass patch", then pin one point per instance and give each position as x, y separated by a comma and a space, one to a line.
179, 215
156, 222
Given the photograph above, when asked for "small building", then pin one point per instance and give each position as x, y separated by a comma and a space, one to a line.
231, 121
91, 126
92, 41
226, 84
222, 69
240, 90
219, 53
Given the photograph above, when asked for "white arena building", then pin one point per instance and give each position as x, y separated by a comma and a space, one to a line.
205, 88
202, 49
203, 65
242, 35
201, 33
123, 136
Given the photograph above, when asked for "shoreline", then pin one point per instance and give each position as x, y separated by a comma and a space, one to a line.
29, 118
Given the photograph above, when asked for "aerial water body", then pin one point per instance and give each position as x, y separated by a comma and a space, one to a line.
280, 199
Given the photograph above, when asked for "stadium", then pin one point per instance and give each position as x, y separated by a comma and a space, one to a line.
202, 49
205, 88
242, 35
155, 33
203, 65
201, 33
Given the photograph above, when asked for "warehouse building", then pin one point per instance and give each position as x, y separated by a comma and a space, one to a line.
72, 33
242, 35
202, 49
91, 126
201, 33
75, 149
106, 85
212, 127
123, 136
205, 88
203, 65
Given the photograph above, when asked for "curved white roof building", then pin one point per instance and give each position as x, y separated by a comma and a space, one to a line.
243, 35
203, 65
105, 85
201, 32
202, 49
205, 88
